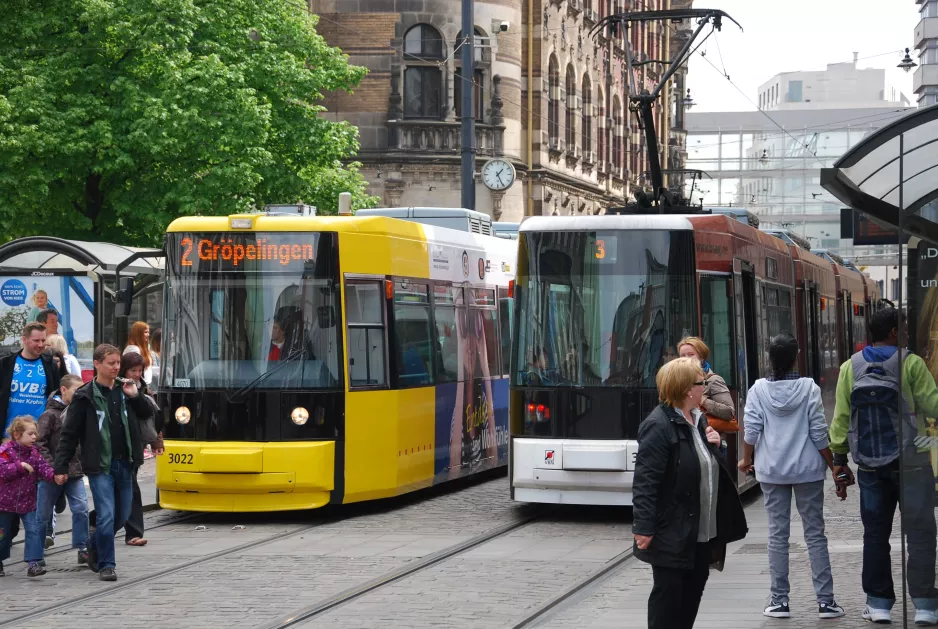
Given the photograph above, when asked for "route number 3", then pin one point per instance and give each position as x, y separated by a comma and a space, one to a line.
600, 249
181, 459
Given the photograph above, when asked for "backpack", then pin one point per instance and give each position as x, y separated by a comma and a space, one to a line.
874, 412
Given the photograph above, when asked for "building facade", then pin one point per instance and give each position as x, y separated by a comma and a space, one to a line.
925, 80
548, 96
771, 164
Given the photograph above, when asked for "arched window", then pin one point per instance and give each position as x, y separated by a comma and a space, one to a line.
478, 98
423, 78
617, 143
553, 101
587, 115
571, 118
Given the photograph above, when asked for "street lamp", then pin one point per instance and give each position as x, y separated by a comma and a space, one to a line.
906, 64
764, 160
688, 100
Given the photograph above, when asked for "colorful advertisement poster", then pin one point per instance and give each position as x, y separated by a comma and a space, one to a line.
23, 297
925, 318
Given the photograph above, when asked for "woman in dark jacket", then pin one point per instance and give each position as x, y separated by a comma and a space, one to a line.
685, 506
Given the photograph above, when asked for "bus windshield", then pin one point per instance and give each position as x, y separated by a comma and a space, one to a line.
240, 306
601, 308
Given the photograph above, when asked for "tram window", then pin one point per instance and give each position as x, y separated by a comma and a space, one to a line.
717, 325
447, 336
413, 344
366, 349
505, 316
784, 298
484, 329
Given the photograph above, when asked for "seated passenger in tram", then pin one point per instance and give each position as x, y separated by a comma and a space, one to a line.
277, 340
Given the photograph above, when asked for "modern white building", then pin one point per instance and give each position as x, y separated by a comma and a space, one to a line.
771, 163
840, 86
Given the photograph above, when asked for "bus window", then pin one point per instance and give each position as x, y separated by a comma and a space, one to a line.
366, 352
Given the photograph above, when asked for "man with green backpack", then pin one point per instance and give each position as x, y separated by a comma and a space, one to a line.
873, 385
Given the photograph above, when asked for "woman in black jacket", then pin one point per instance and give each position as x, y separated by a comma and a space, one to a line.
685, 506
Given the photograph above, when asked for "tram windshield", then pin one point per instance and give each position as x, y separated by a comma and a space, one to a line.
251, 310
601, 308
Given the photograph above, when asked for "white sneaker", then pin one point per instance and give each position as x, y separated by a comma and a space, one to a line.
878, 616
926, 617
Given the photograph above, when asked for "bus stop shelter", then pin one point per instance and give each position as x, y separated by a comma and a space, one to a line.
80, 281
891, 177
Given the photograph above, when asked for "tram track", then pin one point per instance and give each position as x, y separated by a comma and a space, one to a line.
135, 582
351, 594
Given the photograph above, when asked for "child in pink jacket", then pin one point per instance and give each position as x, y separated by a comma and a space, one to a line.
21, 465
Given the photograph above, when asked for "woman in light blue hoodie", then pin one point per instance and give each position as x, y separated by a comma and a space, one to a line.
784, 423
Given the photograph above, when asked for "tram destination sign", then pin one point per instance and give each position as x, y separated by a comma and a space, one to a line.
226, 251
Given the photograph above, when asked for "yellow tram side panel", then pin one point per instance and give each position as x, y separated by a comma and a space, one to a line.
389, 435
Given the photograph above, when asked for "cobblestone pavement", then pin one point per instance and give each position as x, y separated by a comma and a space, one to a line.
734, 598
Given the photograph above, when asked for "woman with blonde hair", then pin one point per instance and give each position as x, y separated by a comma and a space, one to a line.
717, 400
57, 345
685, 506
139, 341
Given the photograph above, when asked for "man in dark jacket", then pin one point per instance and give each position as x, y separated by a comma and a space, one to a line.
50, 433
104, 419
27, 378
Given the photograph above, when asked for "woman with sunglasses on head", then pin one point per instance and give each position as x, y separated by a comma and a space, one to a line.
685, 506
785, 427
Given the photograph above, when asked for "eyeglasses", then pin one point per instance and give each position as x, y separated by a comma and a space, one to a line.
700, 384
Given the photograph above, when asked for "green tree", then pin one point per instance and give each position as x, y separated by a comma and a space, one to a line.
117, 116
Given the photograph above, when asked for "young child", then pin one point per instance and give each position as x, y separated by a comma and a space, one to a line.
20, 465
50, 431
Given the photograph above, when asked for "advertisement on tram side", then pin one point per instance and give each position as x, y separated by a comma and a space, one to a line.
23, 297
924, 313
471, 409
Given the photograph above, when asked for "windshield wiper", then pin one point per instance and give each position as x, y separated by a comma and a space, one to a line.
301, 351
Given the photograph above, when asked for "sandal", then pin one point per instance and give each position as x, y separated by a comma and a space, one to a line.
136, 541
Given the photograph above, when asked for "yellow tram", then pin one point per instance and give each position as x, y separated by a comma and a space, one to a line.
311, 360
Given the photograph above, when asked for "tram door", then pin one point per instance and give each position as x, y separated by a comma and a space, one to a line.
746, 311
812, 315
848, 328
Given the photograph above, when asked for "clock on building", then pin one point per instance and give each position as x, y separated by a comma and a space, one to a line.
498, 174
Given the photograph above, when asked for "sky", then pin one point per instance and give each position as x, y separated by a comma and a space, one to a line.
798, 35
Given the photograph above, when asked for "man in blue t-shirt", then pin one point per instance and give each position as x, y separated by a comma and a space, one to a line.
28, 377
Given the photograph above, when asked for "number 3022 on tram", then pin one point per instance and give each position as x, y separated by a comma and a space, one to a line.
311, 360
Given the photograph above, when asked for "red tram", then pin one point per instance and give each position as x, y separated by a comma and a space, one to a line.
601, 303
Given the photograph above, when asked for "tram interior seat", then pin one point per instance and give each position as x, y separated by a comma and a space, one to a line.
296, 374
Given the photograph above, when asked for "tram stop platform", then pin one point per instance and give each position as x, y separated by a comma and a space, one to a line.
736, 596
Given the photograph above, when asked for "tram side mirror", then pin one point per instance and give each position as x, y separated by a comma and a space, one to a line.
326, 316
125, 297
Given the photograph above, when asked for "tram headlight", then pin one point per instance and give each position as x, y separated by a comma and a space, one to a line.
183, 415
299, 416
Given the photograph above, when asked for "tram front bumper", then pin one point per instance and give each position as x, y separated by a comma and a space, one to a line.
572, 471
243, 476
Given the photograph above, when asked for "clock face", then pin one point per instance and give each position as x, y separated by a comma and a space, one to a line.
498, 174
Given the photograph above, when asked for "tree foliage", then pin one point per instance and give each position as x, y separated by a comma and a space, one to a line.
117, 116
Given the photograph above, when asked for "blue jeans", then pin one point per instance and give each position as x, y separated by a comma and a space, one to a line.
34, 535
879, 497
110, 515
74, 490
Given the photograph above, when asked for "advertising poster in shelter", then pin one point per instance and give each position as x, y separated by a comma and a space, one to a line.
924, 315
23, 297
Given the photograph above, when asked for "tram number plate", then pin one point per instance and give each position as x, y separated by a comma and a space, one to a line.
181, 459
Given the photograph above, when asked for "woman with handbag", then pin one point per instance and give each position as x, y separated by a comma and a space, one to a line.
785, 426
717, 401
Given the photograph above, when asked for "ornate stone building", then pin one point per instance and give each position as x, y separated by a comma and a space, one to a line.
574, 144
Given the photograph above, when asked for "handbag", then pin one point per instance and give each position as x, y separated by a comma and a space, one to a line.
722, 425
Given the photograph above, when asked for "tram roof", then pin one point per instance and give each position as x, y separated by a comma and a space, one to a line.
604, 222
47, 253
